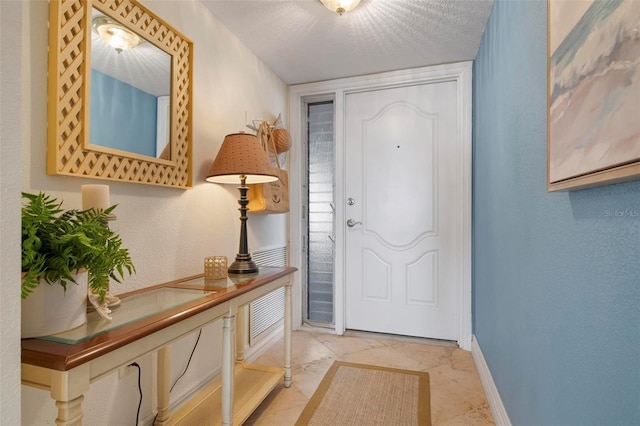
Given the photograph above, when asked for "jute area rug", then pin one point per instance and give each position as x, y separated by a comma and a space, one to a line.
359, 394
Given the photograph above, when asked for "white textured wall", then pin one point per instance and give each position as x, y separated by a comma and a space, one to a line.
168, 231
10, 137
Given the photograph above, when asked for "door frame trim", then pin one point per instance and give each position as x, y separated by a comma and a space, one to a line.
461, 74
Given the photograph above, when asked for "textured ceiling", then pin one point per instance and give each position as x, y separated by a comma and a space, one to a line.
302, 41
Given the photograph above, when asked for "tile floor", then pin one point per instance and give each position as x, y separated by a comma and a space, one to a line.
457, 397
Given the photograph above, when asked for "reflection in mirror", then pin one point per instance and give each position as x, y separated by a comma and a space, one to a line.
70, 151
130, 91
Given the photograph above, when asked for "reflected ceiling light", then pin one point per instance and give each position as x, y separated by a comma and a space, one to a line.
340, 6
115, 34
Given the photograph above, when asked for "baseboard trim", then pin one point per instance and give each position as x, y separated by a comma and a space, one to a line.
498, 411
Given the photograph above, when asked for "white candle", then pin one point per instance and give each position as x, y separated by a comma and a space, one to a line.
95, 196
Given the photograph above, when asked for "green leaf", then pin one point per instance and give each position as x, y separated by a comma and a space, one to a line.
56, 243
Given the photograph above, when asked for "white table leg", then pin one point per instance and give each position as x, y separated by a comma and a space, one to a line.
228, 345
164, 377
240, 329
70, 412
68, 388
287, 334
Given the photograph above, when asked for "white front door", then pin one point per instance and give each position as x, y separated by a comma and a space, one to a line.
403, 197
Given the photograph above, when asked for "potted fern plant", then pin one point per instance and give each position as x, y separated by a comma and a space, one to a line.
63, 253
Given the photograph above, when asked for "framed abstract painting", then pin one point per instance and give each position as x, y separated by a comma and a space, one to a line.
593, 95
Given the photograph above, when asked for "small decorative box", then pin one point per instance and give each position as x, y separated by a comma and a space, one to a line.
215, 267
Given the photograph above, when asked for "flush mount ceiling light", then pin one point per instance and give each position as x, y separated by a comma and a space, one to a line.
340, 6
115, 35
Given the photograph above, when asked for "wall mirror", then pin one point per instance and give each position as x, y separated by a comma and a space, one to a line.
120, 94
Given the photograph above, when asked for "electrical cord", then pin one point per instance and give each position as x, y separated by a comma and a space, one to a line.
185, 368
135, 364
188, 362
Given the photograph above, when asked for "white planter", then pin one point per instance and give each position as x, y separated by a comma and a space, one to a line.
50, 309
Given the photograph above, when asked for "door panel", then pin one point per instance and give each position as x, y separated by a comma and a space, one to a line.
390, 162
401, 255
377, 282
421, 276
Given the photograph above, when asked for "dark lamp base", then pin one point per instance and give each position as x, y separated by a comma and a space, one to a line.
243, 265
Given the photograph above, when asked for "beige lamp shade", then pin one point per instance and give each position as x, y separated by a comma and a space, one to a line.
242, 160
241, 155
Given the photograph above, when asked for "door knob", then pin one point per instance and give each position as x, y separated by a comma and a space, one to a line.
351, 223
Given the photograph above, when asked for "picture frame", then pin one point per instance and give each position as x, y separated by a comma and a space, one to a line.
593, 93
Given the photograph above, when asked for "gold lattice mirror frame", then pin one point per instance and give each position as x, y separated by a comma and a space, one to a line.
69, 151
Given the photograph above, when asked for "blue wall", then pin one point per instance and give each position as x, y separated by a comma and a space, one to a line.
556, 276
122, 117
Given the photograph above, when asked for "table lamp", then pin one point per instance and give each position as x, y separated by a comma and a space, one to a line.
242, 159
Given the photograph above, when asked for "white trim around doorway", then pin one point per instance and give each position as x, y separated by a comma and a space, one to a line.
301, 94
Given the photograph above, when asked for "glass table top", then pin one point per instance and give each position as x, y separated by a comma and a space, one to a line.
142, 305
131, 309
229, 281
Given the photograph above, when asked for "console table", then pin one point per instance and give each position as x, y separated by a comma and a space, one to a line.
148, 321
